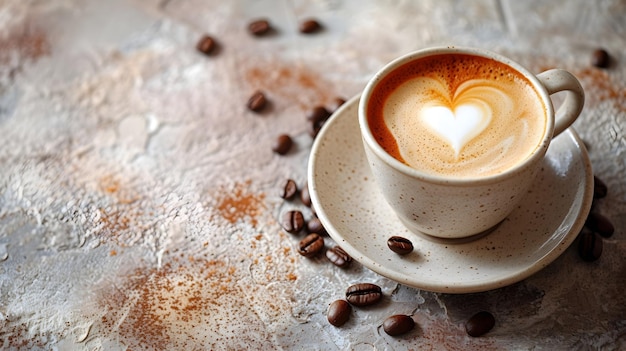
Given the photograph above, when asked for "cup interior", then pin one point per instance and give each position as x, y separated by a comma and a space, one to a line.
371, 141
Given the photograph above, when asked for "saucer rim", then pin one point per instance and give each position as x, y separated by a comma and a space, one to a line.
447, 286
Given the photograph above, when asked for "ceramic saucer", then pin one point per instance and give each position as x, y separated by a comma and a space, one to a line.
357, 217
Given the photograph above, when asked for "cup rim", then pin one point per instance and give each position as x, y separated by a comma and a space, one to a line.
536, 154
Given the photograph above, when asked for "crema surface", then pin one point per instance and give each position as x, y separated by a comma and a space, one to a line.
457, 115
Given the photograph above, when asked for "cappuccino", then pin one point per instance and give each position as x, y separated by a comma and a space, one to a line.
457, 115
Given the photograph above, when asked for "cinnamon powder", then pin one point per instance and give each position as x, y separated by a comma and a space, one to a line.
240, 204
600, 87
291, 84
124, 212
26, 42
185, 304
154, 307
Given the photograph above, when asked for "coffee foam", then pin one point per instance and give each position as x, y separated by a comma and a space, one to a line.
457, 115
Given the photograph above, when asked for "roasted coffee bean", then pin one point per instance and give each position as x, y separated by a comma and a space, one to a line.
259, 27
310, 26
305, 197
318, 114
590, 245
282, 144
600, 224
338, 257
599, 188
600, 58
398, 324
336, 104
317, 117
400, 245
363, 294
314, 225
339, 312
480, 324
311, 245
257, 101
315, 127
292, 221
289, 190
206, 45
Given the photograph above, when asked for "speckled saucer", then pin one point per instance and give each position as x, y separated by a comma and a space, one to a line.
357, 217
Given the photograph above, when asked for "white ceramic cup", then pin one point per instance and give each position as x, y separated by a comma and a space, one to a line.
459, 209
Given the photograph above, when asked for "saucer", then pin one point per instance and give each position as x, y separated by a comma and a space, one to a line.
357, 217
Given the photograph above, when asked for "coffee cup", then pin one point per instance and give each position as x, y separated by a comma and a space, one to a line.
455, 136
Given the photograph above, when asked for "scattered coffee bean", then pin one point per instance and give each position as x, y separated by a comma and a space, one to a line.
293, 221
599, 188
400, 245
363, 294
305, 197
315, 127
587, 145
600, 224
336, 104
257, 101
317, 114
282, 144
314, 225
600, 58
398, 324
259, 27
338, 257
339, 312
316, 118
310, 26
289, 190
311, 245
480, 324
590, 245
206, 45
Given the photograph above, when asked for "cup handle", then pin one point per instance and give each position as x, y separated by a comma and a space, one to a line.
556, 80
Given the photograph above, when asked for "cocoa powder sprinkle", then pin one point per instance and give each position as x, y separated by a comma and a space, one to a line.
240, 203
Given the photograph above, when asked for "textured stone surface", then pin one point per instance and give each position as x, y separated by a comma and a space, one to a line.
139, 197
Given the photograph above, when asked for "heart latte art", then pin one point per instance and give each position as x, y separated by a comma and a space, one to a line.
459, 126
466, 118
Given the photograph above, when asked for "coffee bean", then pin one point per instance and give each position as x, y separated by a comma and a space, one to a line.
400, 245
257, 101
600, 224
338, 257
314, 225
259, 27
317, 114
289, 190
590, 245
600, 58
311, 245
292, 221
316, 118
339, 312
398, 324
599, 188
480, 324
336, 104
315, 127
310, 26
282, 144
363, 294
206, 45
305, 197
